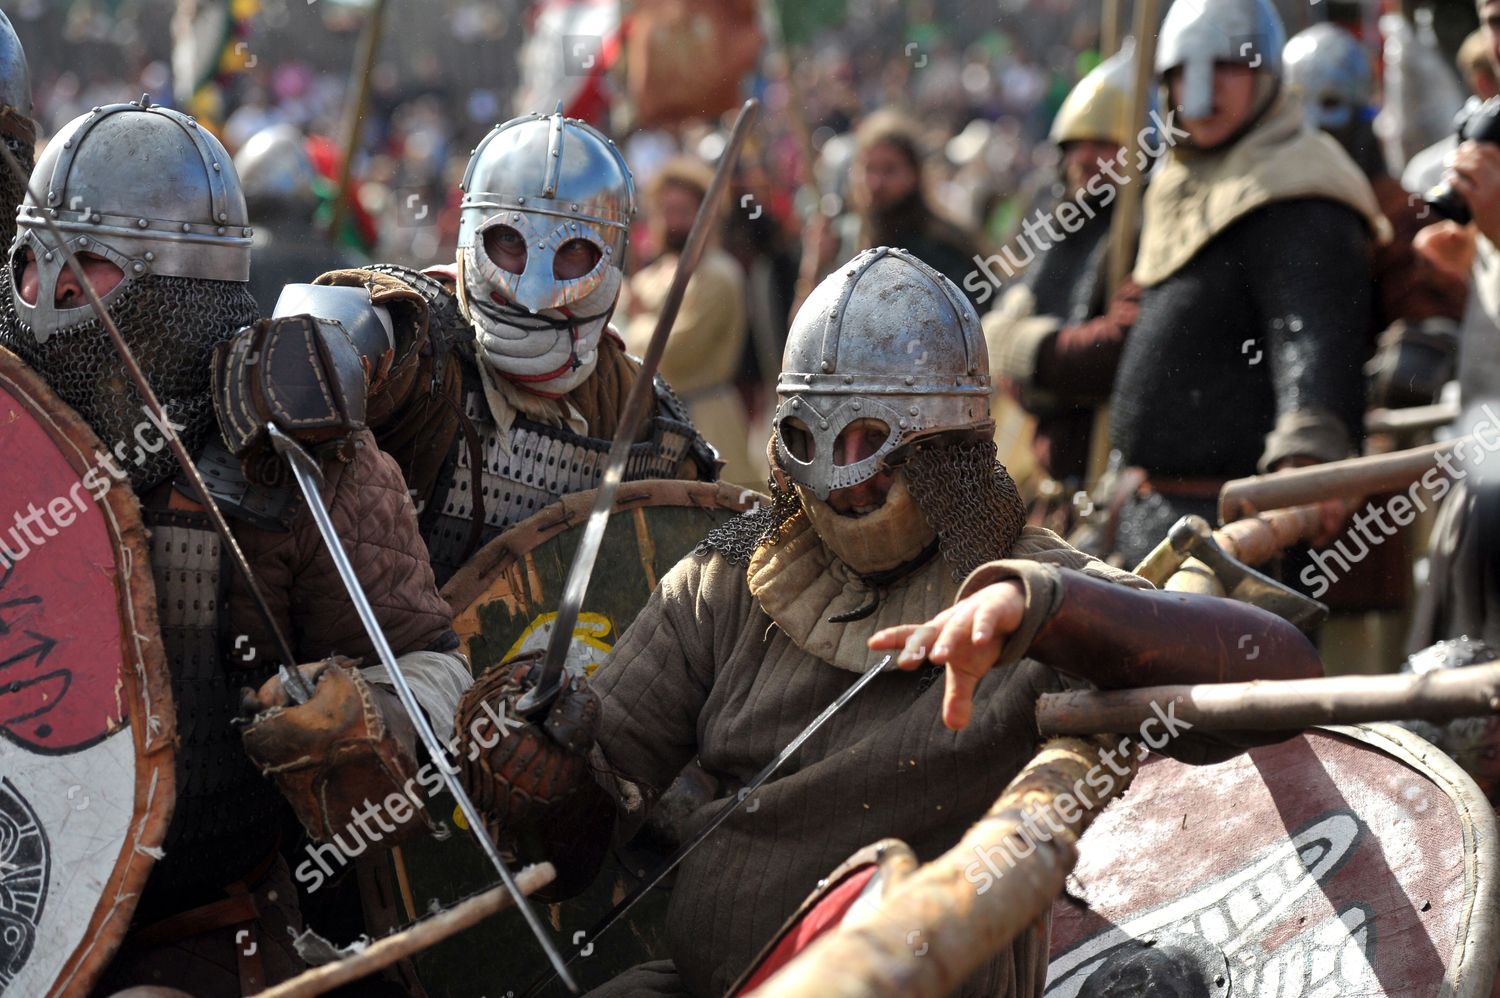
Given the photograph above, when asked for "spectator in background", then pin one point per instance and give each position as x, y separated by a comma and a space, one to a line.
891, 209
708, 338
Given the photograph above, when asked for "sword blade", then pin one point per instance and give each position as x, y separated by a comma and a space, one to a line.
307, 474
549, 682
720, 816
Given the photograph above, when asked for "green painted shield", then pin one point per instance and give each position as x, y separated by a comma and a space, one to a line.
505, 599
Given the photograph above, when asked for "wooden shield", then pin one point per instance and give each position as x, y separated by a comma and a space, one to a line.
1346, 861
504, 602
87, 725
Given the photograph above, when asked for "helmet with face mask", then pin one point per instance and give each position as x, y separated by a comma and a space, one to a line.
552, 181
890, 350
148, 190
1330, 70
1195, 35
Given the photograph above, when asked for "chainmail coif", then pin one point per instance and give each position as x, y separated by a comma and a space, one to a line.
966, 495
12, 191
171, 325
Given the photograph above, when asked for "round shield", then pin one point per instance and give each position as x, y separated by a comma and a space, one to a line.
1346, 861
86, 718
504, 601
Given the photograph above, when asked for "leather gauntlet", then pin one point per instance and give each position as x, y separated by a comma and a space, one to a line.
534, 782
340, 760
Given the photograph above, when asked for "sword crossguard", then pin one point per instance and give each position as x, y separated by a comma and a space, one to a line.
290, 449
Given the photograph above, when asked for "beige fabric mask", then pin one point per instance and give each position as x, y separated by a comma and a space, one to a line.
889, 537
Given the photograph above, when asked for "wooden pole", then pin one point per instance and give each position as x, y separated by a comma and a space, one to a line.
354, 114
1286, 705
1353, 478
1109, 29
950, 912
413, 939
1122, 227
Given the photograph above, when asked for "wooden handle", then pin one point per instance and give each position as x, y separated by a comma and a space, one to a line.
1285, 705
1352, 479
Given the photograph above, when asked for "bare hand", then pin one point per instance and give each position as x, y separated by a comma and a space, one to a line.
1448, 246
968, 638
1475, 173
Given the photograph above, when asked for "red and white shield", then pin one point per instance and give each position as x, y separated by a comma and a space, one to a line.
1346, 861
87, 724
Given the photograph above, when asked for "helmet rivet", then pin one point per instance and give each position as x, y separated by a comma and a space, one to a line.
149, 256
822, 424
900, 424
828, 367
216, 167
849, 380
68, 144
46, 256
796, 403
96, 218
857, 406
186, 227
138, 267
912, 410
83, 242
575, 206
249, 231
520, 200
143, 223
221, 230
910, 380
223, 216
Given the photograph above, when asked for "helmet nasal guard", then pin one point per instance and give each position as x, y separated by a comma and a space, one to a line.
886, 341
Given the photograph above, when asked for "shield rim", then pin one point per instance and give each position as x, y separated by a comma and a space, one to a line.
1471, 970
145, 681
473, 580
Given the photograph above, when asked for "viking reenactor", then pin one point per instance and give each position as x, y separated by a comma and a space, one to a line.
17, 130
150, 202
1254, 267
1417, 305
284, 193
515, 381
889, 508
1043, 333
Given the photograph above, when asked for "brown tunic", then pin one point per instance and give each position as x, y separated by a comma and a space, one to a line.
705, 671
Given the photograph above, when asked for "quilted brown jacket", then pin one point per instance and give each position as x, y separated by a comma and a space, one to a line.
373, 513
